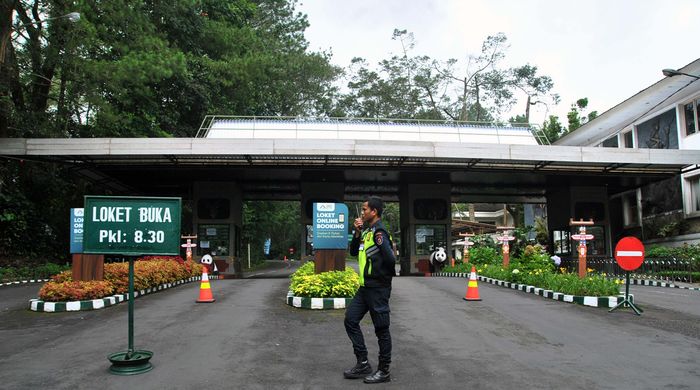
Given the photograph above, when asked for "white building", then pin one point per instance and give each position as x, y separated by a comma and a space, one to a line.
665, 115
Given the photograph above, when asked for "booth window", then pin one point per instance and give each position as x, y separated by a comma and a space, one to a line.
213, 208
214, 239
561, 242
429, 237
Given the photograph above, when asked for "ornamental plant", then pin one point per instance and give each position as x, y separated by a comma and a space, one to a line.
331, 284
147, 273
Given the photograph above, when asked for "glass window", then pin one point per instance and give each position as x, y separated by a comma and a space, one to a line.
659, 132
429, 237
560, 239
610, 142
213, 239
689, 114
628, 139
213, 208
694, 194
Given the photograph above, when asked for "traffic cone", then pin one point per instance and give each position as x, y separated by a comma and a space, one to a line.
472, 288
205, 295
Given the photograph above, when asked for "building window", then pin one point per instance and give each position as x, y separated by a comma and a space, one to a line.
429, 238
561, 242
690, 115
660, 132
694, 198
628, 140
610, 142
630, 211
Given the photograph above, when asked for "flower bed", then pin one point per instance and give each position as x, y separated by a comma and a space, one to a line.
534, 268
332, 284
149, 272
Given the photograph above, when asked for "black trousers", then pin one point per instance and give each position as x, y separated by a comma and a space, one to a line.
376, 301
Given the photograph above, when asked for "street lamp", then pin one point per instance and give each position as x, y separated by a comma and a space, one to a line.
72, 16
673, 72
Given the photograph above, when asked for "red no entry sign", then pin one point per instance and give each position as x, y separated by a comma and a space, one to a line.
629, 253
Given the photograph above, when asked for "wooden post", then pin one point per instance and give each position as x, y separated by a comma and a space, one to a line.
329, 260
505, 239
467, 244
189, 245
88, 267
581, 237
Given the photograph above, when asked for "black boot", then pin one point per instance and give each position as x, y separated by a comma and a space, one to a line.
361, 369
381, 375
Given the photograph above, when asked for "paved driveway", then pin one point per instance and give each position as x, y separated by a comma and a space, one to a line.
250, 339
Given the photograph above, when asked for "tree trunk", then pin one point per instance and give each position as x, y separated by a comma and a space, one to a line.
527, 110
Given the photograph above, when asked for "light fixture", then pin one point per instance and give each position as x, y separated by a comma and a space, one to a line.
673, 72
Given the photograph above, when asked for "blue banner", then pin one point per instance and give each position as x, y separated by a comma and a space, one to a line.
76, 230
266, 249
330, 226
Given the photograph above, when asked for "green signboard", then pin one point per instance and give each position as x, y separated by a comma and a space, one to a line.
132, 226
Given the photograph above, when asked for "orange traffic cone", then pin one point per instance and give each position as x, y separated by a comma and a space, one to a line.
472, 288
205, 295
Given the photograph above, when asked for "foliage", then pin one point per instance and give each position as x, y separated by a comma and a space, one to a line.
75, 290
135, 68
686, 252
484, 255
42, 271
337, 284
419, 87
148, 273
534, 258
276, 220
545, 277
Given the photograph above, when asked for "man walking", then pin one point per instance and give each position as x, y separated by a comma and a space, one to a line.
376, 259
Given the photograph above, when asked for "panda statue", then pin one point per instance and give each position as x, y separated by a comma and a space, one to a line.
438, 259
208, 262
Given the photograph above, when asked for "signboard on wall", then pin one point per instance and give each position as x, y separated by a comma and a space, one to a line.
330, 226
132, 225
76, 230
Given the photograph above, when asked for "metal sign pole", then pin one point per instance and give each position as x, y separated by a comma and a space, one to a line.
627, 302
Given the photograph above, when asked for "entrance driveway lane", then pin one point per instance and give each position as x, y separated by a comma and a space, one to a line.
676, 299
249, 338
604, 350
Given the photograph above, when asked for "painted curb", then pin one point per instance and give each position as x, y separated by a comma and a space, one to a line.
16, 282
96, 304
317, 303
654, 283
580, 299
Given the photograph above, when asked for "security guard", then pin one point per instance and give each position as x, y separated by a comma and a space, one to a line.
376, 263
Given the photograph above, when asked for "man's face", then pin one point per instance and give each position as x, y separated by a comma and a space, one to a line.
367, 213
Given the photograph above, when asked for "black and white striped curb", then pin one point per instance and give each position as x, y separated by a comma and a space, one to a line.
16, 282
317, 303
656, 283
580, 299
96, 304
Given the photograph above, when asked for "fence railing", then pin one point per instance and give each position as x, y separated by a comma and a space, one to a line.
668, 269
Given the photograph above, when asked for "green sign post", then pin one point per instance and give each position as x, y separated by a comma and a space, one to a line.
131, 226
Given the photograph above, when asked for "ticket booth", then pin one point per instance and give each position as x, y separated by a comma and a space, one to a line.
218, 217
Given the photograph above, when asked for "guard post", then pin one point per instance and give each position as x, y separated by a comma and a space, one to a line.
581, 237
505, 238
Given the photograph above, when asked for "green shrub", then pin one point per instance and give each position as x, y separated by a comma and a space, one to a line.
484, 255
544, 277
147, 273
335, 284
42, 271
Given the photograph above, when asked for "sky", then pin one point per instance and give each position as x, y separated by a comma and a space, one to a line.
605, 50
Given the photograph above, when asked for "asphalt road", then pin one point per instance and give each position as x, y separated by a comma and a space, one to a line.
250, 339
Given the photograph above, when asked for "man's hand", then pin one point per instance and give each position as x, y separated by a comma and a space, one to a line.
358, 226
